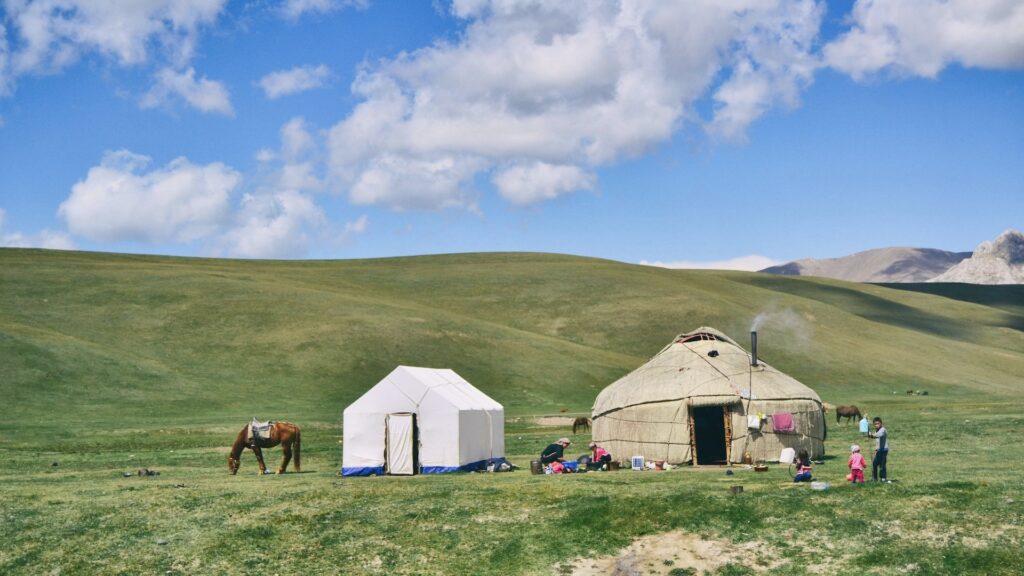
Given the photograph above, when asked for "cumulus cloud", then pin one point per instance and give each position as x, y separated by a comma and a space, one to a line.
119, 200
49, 35
274, 225
203, 94
280, 218
540, 94
921, 37
293, 9
298, 79
526, 184
750, 263
45, 239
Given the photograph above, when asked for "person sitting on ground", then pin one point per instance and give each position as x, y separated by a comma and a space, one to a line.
600, 458
856, 464
555, 452
803, 467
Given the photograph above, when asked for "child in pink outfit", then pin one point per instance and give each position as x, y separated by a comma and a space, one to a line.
856, 464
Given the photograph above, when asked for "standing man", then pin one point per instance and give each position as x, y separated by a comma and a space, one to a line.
881, 436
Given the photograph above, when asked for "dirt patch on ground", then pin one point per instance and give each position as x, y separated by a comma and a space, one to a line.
554, 420
677, 553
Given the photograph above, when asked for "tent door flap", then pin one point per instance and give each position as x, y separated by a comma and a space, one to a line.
400, 449
708, 434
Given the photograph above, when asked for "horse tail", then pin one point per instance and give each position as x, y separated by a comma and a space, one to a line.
298, 450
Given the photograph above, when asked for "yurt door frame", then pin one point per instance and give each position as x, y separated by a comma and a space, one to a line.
401, 439
708, 416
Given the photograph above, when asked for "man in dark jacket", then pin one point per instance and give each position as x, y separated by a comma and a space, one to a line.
554, 452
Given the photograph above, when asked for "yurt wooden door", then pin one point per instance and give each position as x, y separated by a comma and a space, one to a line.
400, 451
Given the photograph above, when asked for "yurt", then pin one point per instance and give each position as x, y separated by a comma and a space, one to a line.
704, 400
422, 421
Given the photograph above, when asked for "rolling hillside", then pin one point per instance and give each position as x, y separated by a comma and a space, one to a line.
89, 337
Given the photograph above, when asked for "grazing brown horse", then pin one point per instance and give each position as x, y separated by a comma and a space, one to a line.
581, 423
849, 412
284, 433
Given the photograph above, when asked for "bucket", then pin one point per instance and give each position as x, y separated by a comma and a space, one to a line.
535, 467
613, 466
659, 464
637, 462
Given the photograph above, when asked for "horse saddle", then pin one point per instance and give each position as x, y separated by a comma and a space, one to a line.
259, 432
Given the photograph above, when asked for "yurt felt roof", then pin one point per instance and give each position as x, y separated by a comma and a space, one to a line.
686, 369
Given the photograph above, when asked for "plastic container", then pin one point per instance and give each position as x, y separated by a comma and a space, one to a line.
787, 456
637, 462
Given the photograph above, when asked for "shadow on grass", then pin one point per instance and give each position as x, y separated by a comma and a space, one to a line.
1010, 298
872, 307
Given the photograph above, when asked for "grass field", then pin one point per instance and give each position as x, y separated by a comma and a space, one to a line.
112, 363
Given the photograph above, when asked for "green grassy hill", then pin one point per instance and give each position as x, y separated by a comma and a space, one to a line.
92, 336
109, 363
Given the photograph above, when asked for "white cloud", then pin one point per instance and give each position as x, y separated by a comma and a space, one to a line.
6, 76
119, 201
293, 9
280, 218
203, 94
299, 79
411, 183
357, 226
524, 184
275, 225
574, 85
45, 239
49, 35
921, 37
750, 263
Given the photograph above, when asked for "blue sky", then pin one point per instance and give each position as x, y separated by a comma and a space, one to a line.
728, 134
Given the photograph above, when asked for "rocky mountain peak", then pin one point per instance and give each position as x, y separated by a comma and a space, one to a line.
999, 261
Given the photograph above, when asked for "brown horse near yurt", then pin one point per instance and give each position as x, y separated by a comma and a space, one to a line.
850, 412
284, 433
581, 423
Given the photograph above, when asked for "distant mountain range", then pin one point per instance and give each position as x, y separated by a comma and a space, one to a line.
1000, 261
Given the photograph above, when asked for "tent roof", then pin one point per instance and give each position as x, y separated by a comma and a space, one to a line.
406, 387
705, 366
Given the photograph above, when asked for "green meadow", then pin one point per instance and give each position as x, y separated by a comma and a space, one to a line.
111, 363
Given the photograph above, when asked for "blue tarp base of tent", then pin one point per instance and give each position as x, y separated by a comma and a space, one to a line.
480, 466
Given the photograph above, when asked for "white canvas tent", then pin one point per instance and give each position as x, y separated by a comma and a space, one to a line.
701, 400
422, 420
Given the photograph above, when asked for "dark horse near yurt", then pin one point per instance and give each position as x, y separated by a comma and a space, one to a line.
267, 436
850, 412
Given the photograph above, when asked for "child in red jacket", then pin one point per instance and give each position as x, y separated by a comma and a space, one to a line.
856, 464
